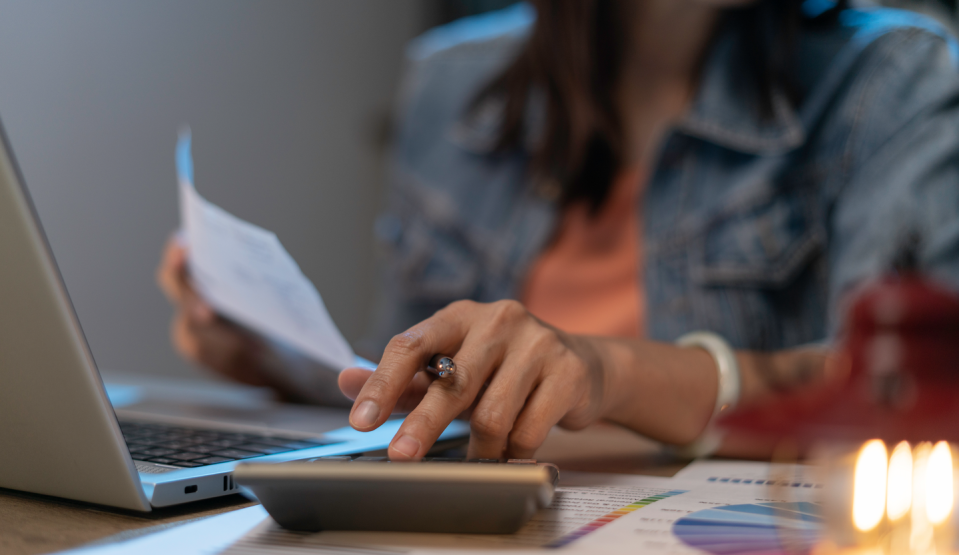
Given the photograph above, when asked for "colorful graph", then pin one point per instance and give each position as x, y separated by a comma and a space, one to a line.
756, 529
610, 517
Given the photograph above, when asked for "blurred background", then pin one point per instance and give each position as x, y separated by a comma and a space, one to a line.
289, 104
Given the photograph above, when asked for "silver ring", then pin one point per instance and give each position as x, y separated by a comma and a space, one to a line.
442, 366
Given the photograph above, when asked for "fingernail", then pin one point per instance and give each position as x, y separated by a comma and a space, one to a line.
365, 415
407, 446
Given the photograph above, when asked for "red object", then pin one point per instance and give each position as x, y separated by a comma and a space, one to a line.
902, 349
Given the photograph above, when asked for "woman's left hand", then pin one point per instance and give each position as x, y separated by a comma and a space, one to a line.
516, 377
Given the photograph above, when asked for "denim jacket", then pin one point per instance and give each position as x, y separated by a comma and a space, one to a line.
754, 228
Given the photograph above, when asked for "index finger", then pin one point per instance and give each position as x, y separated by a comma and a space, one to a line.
406, 354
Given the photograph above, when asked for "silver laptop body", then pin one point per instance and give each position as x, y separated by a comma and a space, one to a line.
59, 434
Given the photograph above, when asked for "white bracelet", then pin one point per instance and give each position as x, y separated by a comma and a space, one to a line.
727, 390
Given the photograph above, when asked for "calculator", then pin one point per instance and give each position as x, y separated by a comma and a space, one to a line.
477, 496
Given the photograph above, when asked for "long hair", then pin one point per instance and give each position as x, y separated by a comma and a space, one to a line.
574, 57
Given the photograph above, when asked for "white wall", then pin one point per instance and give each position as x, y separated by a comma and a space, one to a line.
285, 98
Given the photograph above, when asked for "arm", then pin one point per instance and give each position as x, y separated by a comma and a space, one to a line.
517, 377
668, 392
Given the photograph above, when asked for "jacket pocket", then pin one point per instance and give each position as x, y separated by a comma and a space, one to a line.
761, 244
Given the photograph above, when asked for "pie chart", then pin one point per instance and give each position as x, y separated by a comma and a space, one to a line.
757, 528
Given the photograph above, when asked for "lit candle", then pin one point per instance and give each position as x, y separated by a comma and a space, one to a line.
939, 486
899, 487
869, 486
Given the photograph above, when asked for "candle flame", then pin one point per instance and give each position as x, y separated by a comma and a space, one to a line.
899, 489
939, 483
869, 486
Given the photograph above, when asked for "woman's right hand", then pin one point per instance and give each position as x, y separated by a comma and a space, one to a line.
202, 336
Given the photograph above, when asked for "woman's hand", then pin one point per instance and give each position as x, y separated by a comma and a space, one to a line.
199, 334
515, 378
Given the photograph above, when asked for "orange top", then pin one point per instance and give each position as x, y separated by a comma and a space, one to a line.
588, 281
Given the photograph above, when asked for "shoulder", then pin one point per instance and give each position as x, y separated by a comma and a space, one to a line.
869, 33
886, 143
871, 77
477, 38
447, 68
902, 51
448, 65
882, 59
876, 46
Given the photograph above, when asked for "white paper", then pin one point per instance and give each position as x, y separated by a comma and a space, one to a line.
716, 519
245, 274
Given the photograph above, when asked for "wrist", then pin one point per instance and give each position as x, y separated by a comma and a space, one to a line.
598, 380
728, 388
662, 391
619, 360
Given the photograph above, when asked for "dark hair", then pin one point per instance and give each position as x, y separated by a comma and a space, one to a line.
574, 57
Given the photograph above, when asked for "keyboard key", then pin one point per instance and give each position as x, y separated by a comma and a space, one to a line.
274, 441
236, 453
203, 438
176, 444
164, 437
187, 464
204, 448
162, 460
186, 456
157, 452
139, 438
212, 460
225, 443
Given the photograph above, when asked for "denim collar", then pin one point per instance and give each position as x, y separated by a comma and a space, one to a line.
725, 112
726, 109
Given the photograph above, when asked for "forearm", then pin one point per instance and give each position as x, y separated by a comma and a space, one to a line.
662, 391
668, 393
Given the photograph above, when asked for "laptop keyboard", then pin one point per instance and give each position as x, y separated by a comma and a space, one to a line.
193, 447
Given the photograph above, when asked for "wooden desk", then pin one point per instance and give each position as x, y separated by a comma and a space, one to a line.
32, 524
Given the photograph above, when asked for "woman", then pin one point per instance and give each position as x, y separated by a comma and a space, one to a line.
629, 172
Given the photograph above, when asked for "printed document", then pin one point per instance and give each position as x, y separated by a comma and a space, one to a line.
245, 274
749, 472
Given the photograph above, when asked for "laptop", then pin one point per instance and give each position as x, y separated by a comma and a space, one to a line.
59, 433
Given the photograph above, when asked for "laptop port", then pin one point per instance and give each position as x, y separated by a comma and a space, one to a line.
189, 489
